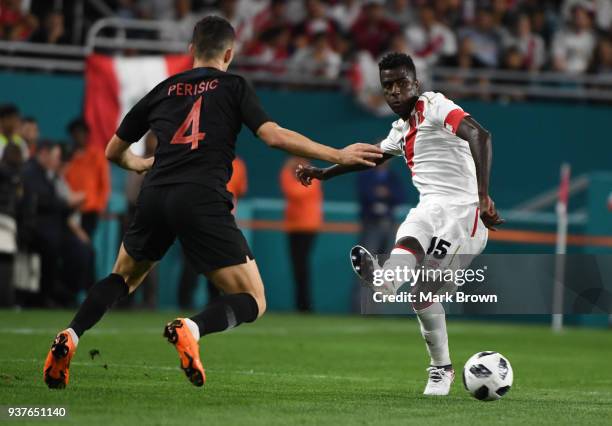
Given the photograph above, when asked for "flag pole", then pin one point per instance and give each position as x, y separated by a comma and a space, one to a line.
559, 280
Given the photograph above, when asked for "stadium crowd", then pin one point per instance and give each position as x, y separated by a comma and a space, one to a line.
320, 37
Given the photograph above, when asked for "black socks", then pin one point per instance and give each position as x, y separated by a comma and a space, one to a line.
100, 298
226, 312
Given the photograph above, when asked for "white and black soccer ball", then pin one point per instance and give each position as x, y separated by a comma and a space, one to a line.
487, 375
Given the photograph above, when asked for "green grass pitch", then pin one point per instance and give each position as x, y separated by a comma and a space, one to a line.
289, 369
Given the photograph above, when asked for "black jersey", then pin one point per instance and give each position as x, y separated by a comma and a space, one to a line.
196, 116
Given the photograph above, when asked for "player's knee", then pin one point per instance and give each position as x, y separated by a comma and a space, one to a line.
413, 245
261, 304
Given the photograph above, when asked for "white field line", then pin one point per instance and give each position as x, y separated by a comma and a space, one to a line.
214, 371
409, 328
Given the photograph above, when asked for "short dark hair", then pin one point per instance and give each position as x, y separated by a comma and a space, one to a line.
46, 145
211, 36
77, 124
29, 119
395, 60
8, 110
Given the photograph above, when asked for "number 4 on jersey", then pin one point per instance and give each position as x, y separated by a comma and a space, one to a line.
193, 121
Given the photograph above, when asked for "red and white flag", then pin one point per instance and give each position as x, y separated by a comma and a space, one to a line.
113, 84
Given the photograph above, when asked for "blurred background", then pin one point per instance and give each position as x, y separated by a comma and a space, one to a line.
537, 74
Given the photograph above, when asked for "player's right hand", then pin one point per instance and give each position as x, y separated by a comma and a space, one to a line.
360, 153
145, 165
488, 213
305, 174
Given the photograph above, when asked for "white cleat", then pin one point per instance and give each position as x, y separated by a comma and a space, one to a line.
440, 381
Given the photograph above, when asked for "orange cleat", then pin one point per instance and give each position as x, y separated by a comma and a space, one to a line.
56, 372
188, 349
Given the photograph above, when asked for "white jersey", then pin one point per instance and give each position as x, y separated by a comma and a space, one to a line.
441, 162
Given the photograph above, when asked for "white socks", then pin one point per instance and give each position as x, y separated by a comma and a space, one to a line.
74, 336
433, 328
193, 327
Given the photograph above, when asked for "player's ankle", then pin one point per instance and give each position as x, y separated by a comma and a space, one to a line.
75, 337
447, 367
193, 328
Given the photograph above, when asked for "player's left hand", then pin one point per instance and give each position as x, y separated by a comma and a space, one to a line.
305, 174
488, 213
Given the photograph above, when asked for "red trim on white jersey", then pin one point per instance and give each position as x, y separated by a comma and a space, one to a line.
475, 222
411, 136
453, 119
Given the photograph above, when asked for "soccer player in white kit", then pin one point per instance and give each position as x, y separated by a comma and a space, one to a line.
449, 156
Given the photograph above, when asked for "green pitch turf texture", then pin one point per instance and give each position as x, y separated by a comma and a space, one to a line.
289, 369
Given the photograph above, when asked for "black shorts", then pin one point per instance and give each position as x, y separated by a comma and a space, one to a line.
200, 217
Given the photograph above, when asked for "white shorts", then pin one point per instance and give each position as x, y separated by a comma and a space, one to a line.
451, 235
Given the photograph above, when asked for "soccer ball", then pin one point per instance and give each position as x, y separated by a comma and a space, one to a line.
487, 376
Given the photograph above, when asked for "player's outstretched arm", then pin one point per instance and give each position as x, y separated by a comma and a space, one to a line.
118, 151
479, 140
306, 173
357, 154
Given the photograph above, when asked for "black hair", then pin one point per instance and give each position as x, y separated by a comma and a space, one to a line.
395, 60
211, 36
77, 124
29, 119
8, 110
46, 145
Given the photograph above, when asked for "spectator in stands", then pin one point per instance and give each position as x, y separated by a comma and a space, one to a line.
30, 134
10, 124
10, 193
502, 14
450, 12
513, 60
431, 39
373, 31
573, 45
15, 25
180, 28
345, 13
273, 16
316, 22
88, 172
529, 44
303, 219
601, 66
465, 60
270, 50
401, 12
160, 10
128, 9
486, 38
51, 213
53, 30
317, 60
77, 252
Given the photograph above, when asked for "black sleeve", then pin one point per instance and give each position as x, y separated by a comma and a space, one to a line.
136, 122
253, 114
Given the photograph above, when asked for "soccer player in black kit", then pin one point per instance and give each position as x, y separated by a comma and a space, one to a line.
196, 116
